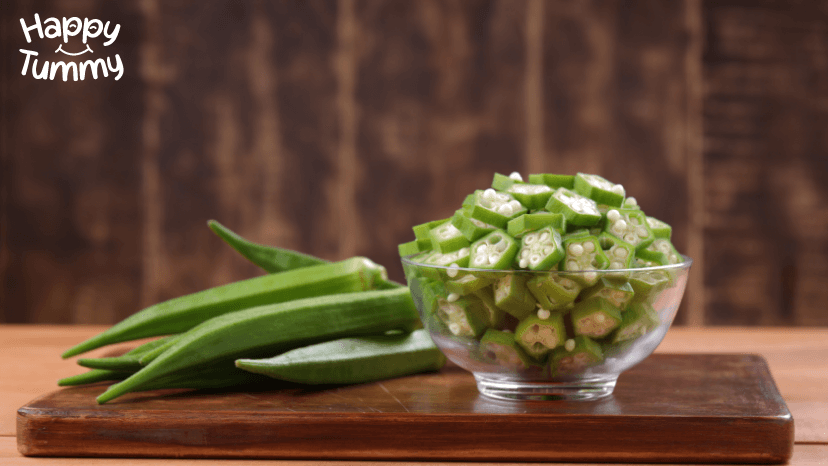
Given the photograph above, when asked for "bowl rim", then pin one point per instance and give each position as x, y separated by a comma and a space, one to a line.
685, 264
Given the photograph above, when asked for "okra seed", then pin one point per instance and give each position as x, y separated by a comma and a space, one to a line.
616, 265
573, 266
548, 250
620, 253
613, 215
479, 260
530, 239
543, 314
589, 247
619, 226
600, 317
455, 328
452, 297
534, 259
501, 197
481, 249
590, 276
515, 205
631, 201
569, 345
505, 209
524, 263
641, 231
489, 193
618, 189
544, 236
493, 258
516, 176
635, 221
452, 271
576, 249
630, 238
501, 246
524, 254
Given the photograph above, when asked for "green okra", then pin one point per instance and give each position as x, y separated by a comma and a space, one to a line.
423, 230
660, 229
498, 347
493, 251
619, 252
661, 251
553, 292
180, 314
94, 376
129, 361
618, 293
638, 320
533, 196
265, 330
468, 283
540, 250
150, 355
519, 226
269, 258
583, 254
447, 238
631, 226
465, 316
577, 209
503, 182
472, 228
541, 333
409, 248
496, 315
552, 180
595, 317
495, 208
599, 189
576, 355
511, 295
352, 360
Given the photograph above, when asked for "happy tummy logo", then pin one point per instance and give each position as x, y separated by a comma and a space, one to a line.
52, 28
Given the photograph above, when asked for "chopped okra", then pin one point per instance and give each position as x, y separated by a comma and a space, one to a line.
577, 209
540, 335
554, 292
464, 317
595, 317
638, 320
447, 238
494, 251
501, 348
519, 226
576, 355
601, 251
583, 253
511, 295
599, 189
540, 250
495, 208
630, 226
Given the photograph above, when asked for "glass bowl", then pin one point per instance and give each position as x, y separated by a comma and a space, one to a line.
541, 335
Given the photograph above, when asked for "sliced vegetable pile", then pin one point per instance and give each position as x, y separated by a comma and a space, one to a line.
583, 225
292, 318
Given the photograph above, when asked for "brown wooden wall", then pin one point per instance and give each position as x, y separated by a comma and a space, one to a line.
333, 126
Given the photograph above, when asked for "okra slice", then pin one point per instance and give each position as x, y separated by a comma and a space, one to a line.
599, 189
540, 334
423, 230
661, 251
503, 182
619, 294
630, 226
494, 251
433, 292
459, 258
500, 348
553, 292
447, 238
511, 295
540, 250
496, 315
631, 203
495, 208
464, 316
533, 196
519, 226
577, 209
472, 228
576, 355
648, 283
468, 283
638, 320
660, 229
553, 181
595, 317
583, 252
409, 248
619, 252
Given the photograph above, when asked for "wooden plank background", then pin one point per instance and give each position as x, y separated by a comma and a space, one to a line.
333, 126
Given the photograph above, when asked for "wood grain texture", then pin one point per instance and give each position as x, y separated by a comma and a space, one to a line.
766, 162
682, 408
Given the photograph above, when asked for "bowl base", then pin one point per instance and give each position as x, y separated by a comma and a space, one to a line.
510, 389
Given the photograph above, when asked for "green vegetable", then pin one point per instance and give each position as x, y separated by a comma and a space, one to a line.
493, 251
540, 250
631, 226
259, 331
352, 360
129, 361
495, 208
540, 334
583, 253
93, 376
466, 316
576, 355
500, 348
519, 226
180, 314
553, 292
511, 295
577, 209
595, 317
271, 259
599, 189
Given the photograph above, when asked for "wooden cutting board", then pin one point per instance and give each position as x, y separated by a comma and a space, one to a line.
669, 408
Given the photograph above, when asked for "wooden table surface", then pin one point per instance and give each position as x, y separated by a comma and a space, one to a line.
798, 358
